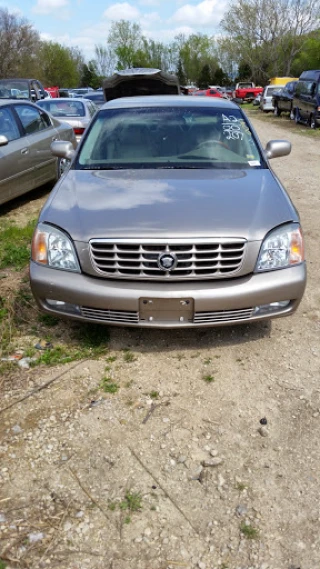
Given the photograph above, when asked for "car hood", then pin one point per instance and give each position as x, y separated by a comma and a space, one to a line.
168, 203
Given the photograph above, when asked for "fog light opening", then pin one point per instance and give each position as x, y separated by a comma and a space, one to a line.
272, 307
61, 306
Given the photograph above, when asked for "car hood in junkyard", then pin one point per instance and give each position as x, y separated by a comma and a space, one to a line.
168, 203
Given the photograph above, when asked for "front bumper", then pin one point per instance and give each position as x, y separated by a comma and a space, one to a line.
167, 305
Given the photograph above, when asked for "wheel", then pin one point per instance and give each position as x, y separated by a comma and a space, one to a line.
276, 111
312, 122
296, 116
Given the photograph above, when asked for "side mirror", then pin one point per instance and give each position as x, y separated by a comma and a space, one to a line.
62, 149
277, 148
3, 140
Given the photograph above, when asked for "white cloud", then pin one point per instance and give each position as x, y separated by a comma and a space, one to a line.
58, 8
122, 11
206, 14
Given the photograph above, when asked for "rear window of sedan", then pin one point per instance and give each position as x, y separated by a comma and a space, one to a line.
165, 137
60, 109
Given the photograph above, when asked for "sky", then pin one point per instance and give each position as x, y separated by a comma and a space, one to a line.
86, 23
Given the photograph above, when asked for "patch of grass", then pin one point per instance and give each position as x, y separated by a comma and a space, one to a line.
15, 245
108, 385
3, 564
93, 336
208, 378
128, 356
127, 520
48, 320
240, 486
207, 361
132, 502
249, 531
111, 359
112, 506
153, 508
154, 394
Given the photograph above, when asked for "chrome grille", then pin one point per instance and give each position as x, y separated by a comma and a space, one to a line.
106, 315
223, 316
138, 259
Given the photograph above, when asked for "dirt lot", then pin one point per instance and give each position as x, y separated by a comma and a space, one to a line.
174, 469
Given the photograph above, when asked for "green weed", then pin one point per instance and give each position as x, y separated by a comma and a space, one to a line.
208, 378
15, 245
249, 531
128, 356
154, 394
108, 385
131, 502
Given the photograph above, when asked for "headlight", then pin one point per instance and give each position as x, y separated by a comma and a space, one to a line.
282, 247
53, 248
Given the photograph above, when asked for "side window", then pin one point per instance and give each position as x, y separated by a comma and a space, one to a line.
8, 125
33, 120
92, 109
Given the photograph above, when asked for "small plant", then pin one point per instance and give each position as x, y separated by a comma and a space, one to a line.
249, 531
240, 486
108, 385
154, 394
128, 356
207, 361
3, 564
208, 378
111, 359
153, 508
112, 506
127, 520
131, 502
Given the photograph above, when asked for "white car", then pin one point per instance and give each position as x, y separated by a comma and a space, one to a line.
266, 98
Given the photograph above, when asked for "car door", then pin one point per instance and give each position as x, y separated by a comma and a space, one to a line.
40, 133
16, 167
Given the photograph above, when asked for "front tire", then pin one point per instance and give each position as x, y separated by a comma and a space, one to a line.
312, 122
296, 116
277, 111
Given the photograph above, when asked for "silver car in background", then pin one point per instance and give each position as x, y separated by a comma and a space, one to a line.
77, 112
169, 217
26, 161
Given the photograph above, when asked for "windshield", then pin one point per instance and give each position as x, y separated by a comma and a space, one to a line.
169, 137
14, 89
59, 108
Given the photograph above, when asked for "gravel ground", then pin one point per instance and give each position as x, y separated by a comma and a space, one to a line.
207, 456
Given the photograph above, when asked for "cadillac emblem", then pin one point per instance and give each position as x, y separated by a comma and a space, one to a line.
167, 261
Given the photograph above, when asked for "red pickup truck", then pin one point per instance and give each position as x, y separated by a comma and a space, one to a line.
246, 91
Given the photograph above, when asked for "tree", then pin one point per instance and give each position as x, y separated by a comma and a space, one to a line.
104, 60
125, 40
194, 52
267, 34
58, 65
89, 76
180, 74
19, 45
204, 77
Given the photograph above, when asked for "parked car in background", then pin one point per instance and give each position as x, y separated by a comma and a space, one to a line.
210, 93
266, 97
306, 100
257, 100
18, 88
26, 133
282, 100
97, 97
76, 112
245, 92
169, 217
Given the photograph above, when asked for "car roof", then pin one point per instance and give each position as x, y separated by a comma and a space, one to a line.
169, 101
63, 99
4, 102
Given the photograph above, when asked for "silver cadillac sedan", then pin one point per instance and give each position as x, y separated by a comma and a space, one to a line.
169, 217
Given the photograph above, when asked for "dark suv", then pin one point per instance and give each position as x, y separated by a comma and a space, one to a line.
282, 100
306, 101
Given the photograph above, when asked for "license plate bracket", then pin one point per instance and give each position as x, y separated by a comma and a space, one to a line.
166, 309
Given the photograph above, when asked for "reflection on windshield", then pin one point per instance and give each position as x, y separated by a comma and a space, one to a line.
169, 137
14, 89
